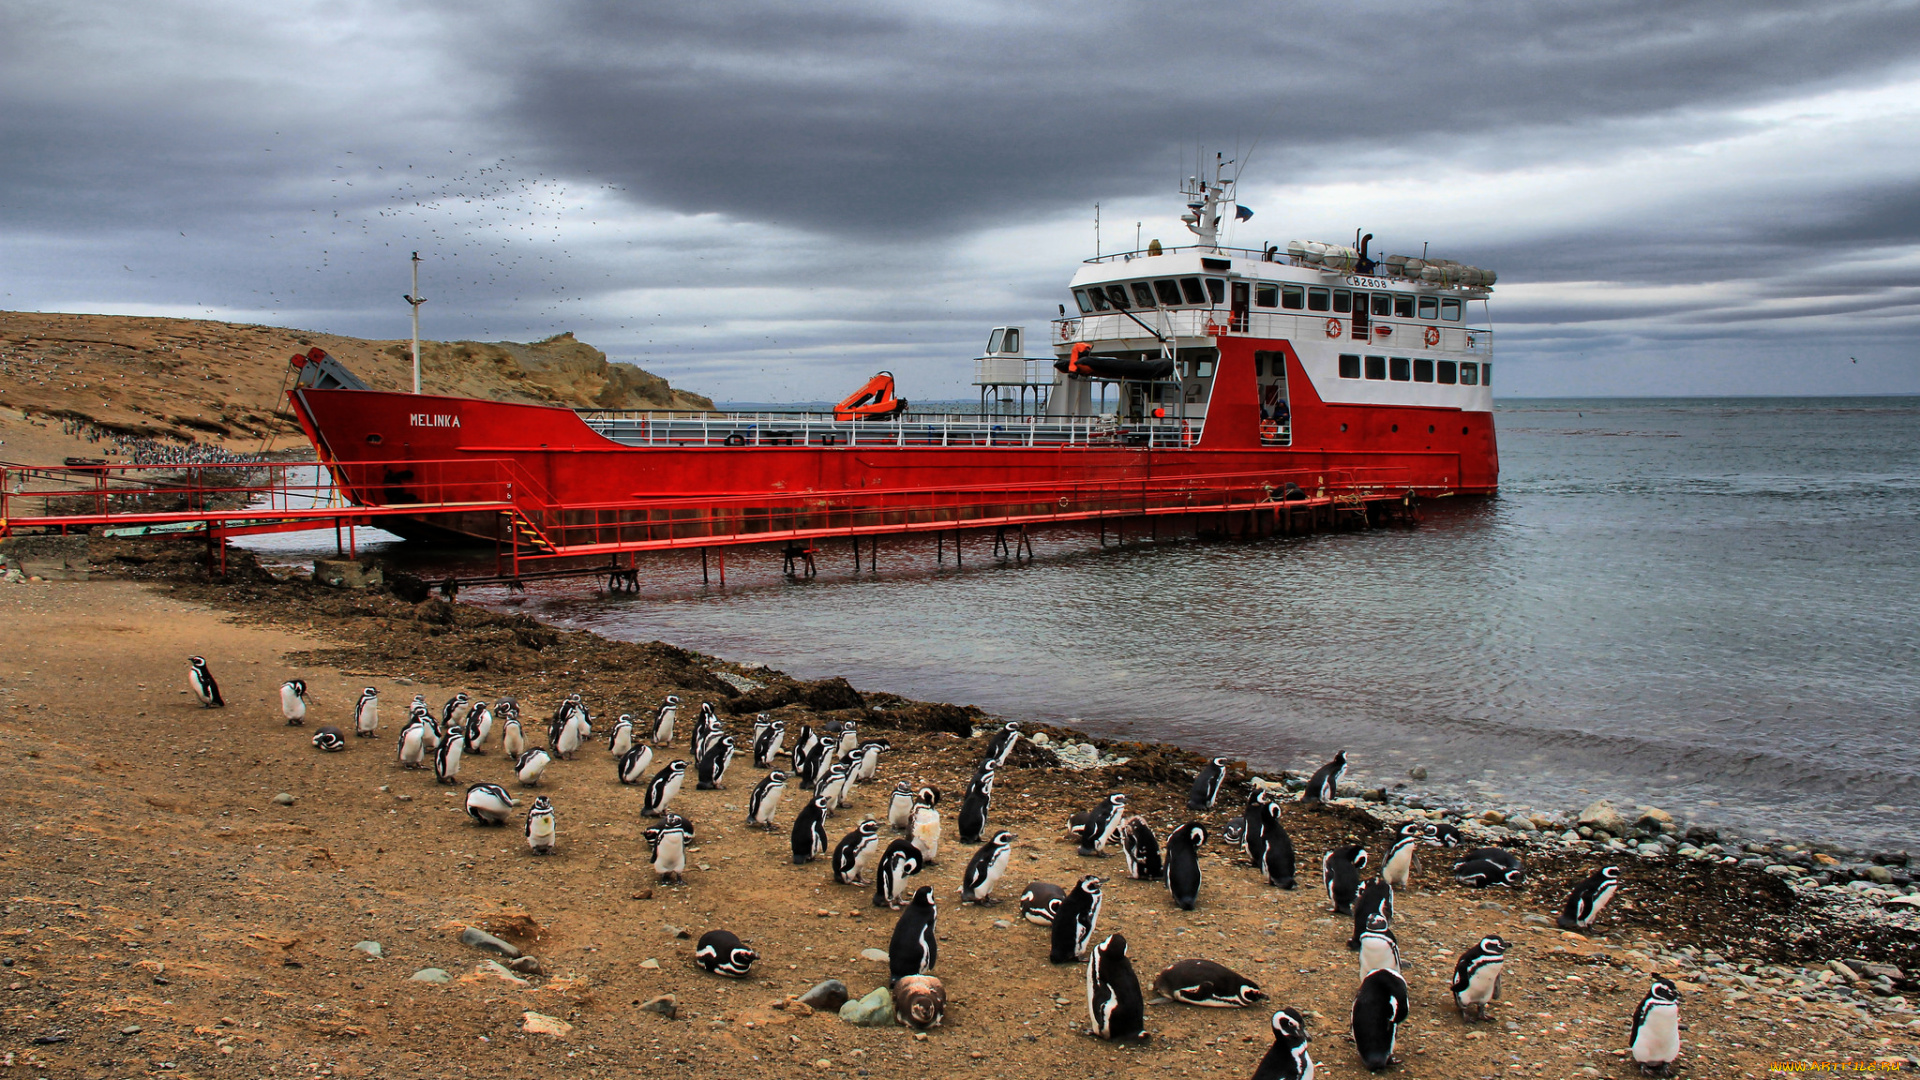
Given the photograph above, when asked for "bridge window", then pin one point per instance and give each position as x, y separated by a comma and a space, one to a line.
1169, 291
1423, 371
1448, 372
1376, 367
1080, 297
1486, 374
1349, 365
1117, 296
1469, 374
1400, 369
1343, 300
1402, 306
1217, 288
1382, 304
1450, 309
1142, 294
1013, 340
1266, 296
993, 343
1429, 307
1292, 297
1318, 299
1195, 293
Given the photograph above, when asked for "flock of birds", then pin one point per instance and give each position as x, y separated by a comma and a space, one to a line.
143, 451
829, 764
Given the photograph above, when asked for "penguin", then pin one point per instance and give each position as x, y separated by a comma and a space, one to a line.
843, 794
722, 954
920, 1002
1490, 866
634, 764
663, 720
1340, 868
706, 728
810, 832
488, 804
829, 784
1589, 898
849, 739
1376, 898
1114, 1007
1074, 921
973, 810
412, 746
713, 767
540, 829
851, 852
807, 767
665, 785
531, 764
479, 727
1206, 785
1325, 785
1103, 822
1254, 827
1203, 982
620, 739
1397, 867
669, 843
870, 752
429, 728
803, 744
1378, 947
766, 744
765, 800
1445, 835
513, 741
1002, 743
330, 739
1040, 902
1655, 1035
1287, 1058
1378, 1011
1142, 850
900, 806
366, 713
572, 732
986, 868
1476, 978
915, 947
924, 829
1234, 832
899, 862
293, 701
1279, 862
563, 714
452, 709
446, 760
1183, 864
200, 680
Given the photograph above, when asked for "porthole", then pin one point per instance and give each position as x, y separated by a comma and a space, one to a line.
1396, 427
1463, 431
1429, 429
374, 440
1343, 427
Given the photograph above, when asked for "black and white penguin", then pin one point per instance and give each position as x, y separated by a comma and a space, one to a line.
973, 809
541, 833
766, 744
722, 954
1287, 1058
1279, 863
574, 729
1378, 1011
1325, 785
634, 764
446, 760
920, 1002
915, 947
663, 719
1476, 978
1234, 832
412, 744
513, 740
1378, 947
1142, 850
479, 727
1589, 898
1183, 864
986, 868
764, 800
1445, 835
1115, 1010
1376, 898
534, 762
1490, 866
808, 767
706, 728
429, 728
713, 767
810, 832
804, 742
1397, 867
200, 680
664, 786
1654, 1038
489, 804
366, 713
1253, 835
1002, 743
451, 709
899, 862
620, 739
1203, 982
1074, 921
1206, 785
293, 701
900, 806
829, 784
924, 829
570, 707
1041, 901
850, 853
849, 739
869, 757
669, 843
1103, 824
1340, 870
330, 739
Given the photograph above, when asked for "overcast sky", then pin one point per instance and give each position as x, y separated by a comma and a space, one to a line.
770, 201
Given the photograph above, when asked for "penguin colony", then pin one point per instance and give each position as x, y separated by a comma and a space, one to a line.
831, 764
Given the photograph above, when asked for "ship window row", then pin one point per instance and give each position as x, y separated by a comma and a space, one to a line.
1200, 292
1409, 369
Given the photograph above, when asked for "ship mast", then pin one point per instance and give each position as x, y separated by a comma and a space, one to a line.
1205, 202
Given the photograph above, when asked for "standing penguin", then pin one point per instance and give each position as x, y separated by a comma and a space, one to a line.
1206, 785
293, 701
513, 741
1376, 898
870, 752
1142, 850
851, 852
899, 862
1114, 1007
1287, 1058
973, 810
1378, 1011
1203, 982
1278, 861
452, 709
829, 784
706, 728
446, 760
666, 784
1103, 822
634, 763
713, 767
810, 832
620, 739
1397, 867
488, 804
1183, 864
669, 843
900, 806
412, 746
1589, 898
766, 744
663, 720
849, 739
330, 739
479, 727
765, 799
986, 868
1041, 901
721, 953
1002, 743
527, 770
915, 947
366, 713
925, 826
1074, 921
1476, 978
1340, 870
540, 828
1378, 947
200, 681
1325, 785
1253, 827
1655, 1035
572, 731
804, 743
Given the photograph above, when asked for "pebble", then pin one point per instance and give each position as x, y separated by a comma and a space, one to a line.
430, 975
494, 969
676, 932
827, 996
527, 965
665, 1005
283, 799
541, 1024
873, 954
1418, 772
480, 939
1001, 924
370, 948
650, 964
874, 1010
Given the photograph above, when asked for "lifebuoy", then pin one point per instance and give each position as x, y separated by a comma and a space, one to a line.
1063, 502
736, 439
1066, 330
1333, 328
1432, 336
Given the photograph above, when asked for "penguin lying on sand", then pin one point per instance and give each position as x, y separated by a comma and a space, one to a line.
1203, 982
721, 953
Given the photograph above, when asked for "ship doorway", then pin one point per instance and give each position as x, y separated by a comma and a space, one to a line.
1239, 318
1362, 326
1276, 412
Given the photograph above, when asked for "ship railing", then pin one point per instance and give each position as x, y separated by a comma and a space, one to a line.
1380, 334
739, 430
1279, 257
